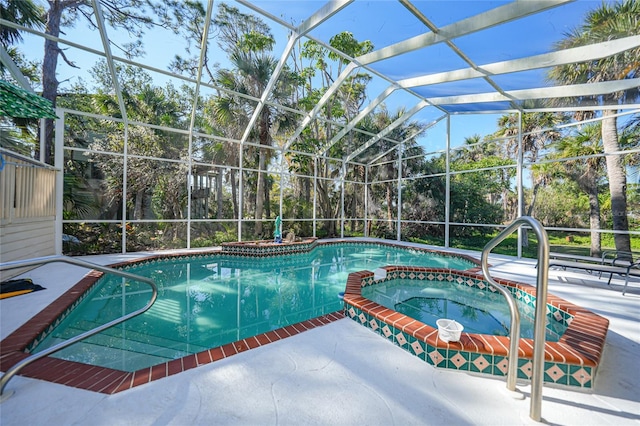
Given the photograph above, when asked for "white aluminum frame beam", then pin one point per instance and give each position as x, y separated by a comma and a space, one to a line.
545, 60
506, 13
569, 91
434, 28
490, 18
15, 72
194, 110
362, 114
107, 51
324, 13
123, 111
387, 129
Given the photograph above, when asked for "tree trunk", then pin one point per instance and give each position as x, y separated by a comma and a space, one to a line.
594, 223
389, 215
234, 194
617, 181
536, 188
263, 126
325, 208
138, 205
219, 200
267, 195
49, 66
588, 182
260, 195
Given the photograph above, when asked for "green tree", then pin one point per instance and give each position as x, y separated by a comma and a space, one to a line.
19, 134
23, 12
132, 16
248, 42
317, 68
586, 173
154, 187
601, 24
538, 132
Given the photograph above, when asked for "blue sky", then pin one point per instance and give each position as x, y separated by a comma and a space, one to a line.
383, 22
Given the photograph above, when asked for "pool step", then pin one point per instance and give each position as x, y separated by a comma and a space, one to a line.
99, 354
136, 338
109, 347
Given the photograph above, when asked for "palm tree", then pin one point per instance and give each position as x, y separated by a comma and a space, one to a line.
22, 137
586, 173
388, 171
474, 149
603, 24
23, 12
132, 16
250, 75
538, 131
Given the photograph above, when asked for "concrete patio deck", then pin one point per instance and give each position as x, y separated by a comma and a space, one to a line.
340, 373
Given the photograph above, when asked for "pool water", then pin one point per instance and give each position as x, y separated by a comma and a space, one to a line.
479, 311
209, 301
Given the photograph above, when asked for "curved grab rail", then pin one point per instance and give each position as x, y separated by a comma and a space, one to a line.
73, 261
542, 283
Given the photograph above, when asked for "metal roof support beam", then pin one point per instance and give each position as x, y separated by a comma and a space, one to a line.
325, 12
194, 111
377, 101
203, 52
506, 13
546, 60
387, 130
15, 72
123, 111
574, 90
493, 17
109, 56
312, 114
316, 19
434, 28
433, 123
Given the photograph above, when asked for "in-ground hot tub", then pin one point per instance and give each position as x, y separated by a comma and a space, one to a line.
571, 361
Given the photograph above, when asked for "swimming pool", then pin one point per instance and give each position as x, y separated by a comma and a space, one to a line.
209, 301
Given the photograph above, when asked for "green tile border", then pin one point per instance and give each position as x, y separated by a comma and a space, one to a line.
557, 373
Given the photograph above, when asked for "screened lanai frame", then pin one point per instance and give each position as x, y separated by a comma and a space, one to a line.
499, 100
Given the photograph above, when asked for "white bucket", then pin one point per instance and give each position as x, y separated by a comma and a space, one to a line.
449, 330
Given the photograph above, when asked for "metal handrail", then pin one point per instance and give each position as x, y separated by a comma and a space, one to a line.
542, 283
73, 261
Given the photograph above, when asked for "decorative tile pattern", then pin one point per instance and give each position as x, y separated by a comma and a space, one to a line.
417, 347
479, 363
571, 361
475, 353
436, 358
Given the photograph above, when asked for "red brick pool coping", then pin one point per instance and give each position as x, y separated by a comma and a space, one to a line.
581, 344
110, 381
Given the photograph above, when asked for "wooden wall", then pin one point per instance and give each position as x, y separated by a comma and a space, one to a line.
27, 210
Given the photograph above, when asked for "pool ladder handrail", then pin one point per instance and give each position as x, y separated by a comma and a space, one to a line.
542, 283
39, 261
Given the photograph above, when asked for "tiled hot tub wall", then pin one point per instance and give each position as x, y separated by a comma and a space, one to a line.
268, 248
571, 361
